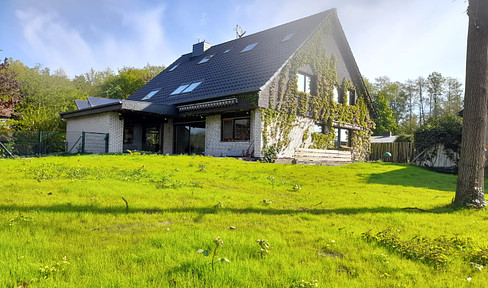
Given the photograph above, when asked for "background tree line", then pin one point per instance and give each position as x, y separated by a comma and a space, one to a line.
32, 98
403, 108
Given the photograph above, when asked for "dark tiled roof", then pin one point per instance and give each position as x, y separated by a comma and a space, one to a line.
233, 72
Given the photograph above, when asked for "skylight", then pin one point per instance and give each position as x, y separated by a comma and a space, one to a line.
150, 94
174, 67
192, 87
287, 37
208, 57
180, 89
226, 51
249, 47
186, 88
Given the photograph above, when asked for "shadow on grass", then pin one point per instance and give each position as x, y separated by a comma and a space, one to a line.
210, 210
413, 176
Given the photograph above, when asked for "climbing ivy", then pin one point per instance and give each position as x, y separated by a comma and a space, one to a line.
286, 103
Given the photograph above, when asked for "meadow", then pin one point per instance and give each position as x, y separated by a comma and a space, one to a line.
152, 221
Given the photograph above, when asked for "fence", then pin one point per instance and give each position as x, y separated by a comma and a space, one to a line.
87, 142
31, 143
41, 143
401, 152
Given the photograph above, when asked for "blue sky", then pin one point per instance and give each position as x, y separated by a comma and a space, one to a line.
396, 38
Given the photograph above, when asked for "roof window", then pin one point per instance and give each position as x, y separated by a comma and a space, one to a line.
208, 57
150, 94
287, 37
174, 67
186, 88
249, 47
227, 51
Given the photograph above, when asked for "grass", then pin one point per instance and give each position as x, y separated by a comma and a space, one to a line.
63, 223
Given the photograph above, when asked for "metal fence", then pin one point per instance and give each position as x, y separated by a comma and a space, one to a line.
31, 143
42, 143
87, 142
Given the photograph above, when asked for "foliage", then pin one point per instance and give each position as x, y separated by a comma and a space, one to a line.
385, 119
10, 89
404, 138
287, 106
127, 81
264, 245
445, 131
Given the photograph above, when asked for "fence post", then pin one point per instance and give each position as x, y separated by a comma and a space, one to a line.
106, 142
83, 142
39, 146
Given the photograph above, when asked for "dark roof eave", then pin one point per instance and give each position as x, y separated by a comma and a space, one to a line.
112, 107
126, 105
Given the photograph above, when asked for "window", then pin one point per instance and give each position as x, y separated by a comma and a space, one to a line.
342, 137
174, 67
150, 94
191, 87
186, 88
226, 51
318, 128
352, 97
236, 129
204, 60
249, 47
336, 95
180, 89
287, 37
304, 83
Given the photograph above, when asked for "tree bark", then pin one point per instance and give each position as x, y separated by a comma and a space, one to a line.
470, 182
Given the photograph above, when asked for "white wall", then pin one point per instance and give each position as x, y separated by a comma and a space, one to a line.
101, 123
215, 147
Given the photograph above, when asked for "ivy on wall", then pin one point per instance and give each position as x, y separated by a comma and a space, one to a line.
286, 103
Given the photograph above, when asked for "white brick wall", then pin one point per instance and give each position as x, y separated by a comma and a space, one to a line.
101, 123
215, 147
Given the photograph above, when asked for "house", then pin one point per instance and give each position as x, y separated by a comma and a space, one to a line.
290, 87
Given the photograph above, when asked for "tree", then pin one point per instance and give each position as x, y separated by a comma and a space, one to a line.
10, 93
420, 87
470, 182
435, 88
454, 96
128, 81
385, 119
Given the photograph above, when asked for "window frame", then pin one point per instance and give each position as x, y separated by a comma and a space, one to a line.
233, 120
305, 82
337, 137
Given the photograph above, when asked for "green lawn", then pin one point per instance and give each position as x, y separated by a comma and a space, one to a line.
63, 223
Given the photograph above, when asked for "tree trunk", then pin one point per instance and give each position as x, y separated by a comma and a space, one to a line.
470, 183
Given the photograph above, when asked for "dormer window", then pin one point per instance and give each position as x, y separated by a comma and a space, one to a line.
249, 47
205, 59
150, 94
304, 81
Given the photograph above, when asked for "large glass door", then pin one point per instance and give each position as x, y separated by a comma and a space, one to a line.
190, 138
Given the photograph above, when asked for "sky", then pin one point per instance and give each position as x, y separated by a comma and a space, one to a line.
401, 39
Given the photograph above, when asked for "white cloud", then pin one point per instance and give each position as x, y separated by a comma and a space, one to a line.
55, 45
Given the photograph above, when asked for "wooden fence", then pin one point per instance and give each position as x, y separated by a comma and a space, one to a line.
401, 152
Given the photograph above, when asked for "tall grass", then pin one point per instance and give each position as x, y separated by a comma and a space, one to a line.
63, 223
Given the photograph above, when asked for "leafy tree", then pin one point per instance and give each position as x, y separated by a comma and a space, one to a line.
454, 96
470, 183
128, 81
10, 89
435, 88
385, 119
